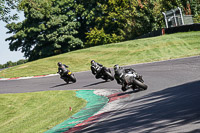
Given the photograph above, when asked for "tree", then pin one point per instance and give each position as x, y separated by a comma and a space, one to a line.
86, 13
115, 20
148, 17
57, 26
124, 20
9, 64
195, 7
5, 10
22, 61
49, 28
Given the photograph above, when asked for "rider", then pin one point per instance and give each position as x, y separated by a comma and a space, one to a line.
119, 71
94, 68
62, 69
119, 75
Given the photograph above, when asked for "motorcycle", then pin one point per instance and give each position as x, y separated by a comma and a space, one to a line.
68, 76
104, 73
131, 80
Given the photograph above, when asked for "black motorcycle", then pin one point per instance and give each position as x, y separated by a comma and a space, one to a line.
68, 76
104, 73
132, 80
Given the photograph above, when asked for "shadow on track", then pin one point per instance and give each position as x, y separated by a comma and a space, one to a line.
60, 85
169, 110
101, 82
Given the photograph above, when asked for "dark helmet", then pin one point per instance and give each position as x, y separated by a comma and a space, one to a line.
59, 64
92, 61
116, 67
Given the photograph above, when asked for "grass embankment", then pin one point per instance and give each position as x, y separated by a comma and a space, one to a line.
123, 53
37, 111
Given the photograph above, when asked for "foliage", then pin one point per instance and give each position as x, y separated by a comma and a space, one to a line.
148, 17
125, 20
5, 10
115, 21
129, 19
99, 37
10, 63
195, 8
86, 12
49, 29
53, 27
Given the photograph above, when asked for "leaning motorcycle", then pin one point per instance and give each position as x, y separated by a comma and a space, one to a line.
131, 80
104, 73
68, 77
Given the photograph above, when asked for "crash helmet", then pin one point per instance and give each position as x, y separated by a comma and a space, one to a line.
92, 61
116, 67
59, 64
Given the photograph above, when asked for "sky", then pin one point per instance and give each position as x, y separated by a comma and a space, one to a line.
5, 54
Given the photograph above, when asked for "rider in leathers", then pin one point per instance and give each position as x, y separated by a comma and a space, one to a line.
62, 69
94, 66
119, 75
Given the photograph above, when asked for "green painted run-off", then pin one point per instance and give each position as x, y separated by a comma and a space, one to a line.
94, 104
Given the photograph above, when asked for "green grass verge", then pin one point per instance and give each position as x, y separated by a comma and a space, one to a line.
37, 111
123, 53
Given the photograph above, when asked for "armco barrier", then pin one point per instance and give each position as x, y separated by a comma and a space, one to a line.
151, 34
171, 30
183, 28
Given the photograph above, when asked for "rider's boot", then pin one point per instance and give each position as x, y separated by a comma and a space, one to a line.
140, 78
97, 76
124, 87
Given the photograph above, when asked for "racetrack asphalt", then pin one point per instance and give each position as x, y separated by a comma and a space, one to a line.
170, 104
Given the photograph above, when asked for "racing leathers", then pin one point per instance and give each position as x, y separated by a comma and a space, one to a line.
119, 76
96, 69
62, 70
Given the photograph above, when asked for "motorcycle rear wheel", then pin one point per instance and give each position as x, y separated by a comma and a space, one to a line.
109, 75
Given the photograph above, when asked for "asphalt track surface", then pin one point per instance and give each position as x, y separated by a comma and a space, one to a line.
170, 104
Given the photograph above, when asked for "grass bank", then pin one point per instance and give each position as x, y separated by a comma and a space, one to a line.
37, 111
124, 53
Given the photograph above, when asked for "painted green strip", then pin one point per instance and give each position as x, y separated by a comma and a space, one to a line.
94, 104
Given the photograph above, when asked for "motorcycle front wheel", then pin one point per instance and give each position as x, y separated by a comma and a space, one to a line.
73, 78
140, 84
66, 80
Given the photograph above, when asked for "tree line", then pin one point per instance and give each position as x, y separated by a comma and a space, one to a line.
53, 27
11, 64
